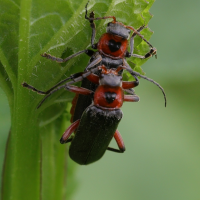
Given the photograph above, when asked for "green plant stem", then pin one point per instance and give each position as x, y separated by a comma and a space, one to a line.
21, 178
21, 175
54, 158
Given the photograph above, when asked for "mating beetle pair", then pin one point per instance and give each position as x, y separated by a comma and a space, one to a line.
98, 123
89, 144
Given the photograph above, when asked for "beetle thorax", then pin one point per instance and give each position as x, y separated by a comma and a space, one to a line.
110, 80
118, 29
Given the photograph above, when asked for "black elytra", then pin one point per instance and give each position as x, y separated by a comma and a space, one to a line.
90, 147
110, 96
114, 46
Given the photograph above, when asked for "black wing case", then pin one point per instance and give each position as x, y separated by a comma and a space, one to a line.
95, 131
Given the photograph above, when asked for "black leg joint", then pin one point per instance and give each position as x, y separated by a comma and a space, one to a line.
67, 87
92, 25
63, 141
89, 52
116, 150
152, 52
147, 55
128, 55
91, 14
94, 46
91, 17
136, 80
136, 83
72, 77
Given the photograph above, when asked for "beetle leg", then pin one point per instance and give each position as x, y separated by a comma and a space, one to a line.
131, 98
55, 86
130, 84
61, 60
69, 131
151, 53
119, 140
130, 91
78, 90
91, 18
69, 140
98, 59
120, 143
93, 78
92, 25
132, 40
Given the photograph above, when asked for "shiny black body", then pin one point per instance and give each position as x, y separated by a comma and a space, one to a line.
100, 126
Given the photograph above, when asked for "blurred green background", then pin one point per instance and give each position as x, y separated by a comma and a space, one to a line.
162, 158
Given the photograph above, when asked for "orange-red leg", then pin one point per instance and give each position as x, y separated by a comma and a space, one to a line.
78, 90
131, 98
69, 131
120, 143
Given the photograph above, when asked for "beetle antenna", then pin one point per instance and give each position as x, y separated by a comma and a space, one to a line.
74, 80
24, 84
86, 11
49, 94
98, 18
133, 73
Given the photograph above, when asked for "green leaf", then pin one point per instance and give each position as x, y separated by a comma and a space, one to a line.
35, 162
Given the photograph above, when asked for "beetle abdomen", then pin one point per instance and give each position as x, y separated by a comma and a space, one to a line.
94, 134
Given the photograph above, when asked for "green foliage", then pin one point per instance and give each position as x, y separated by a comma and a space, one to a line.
35, 163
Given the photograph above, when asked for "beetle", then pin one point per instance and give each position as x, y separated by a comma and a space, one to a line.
99, 121
113, 43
